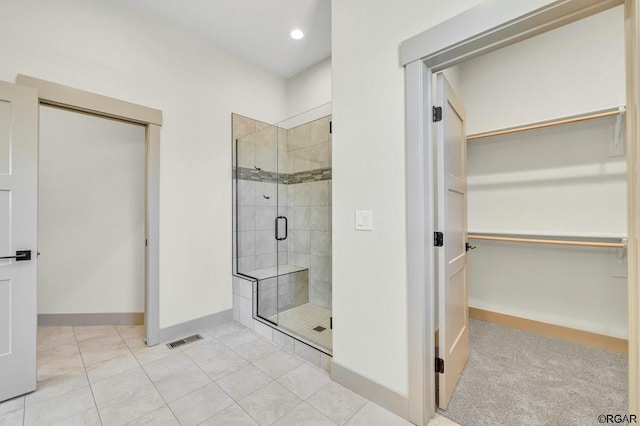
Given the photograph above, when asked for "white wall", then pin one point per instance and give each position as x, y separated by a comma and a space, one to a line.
91, 213
369, 268
561, 180
557, 181
113, 49
573, 69
567, 286
309, 89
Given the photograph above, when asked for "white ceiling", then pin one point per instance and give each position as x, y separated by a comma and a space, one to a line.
257, 30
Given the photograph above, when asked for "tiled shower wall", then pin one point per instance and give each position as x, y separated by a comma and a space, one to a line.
301, 157
257, 199
311, 243
310, 207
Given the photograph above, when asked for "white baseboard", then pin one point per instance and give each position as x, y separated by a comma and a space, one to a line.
373, 391
111, 318
189, 327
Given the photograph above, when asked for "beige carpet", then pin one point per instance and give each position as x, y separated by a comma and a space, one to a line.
518, 378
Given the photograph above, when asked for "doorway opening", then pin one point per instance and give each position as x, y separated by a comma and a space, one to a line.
91, 214
137, 137
547, 218
607, 244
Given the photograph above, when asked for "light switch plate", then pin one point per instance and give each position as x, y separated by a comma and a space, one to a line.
364, 220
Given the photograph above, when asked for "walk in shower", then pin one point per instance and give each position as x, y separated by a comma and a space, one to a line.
282, 215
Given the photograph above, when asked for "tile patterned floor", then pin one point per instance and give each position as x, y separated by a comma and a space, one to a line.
107, 376
301, 321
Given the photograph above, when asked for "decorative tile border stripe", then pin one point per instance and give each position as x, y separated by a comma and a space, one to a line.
244, 173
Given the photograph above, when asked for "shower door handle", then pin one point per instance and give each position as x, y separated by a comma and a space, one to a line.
286, 228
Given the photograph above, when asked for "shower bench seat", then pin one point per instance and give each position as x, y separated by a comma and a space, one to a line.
272, 272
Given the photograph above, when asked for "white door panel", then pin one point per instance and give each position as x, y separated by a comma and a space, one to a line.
5, 222
5, 317
5, 138
453, 340
18, 223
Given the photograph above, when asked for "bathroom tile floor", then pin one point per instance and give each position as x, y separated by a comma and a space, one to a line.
107, 376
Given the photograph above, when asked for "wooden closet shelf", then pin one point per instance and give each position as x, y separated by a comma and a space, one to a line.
550, 123
548, 241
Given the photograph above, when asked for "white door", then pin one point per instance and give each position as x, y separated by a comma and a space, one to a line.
18, 234
453, 321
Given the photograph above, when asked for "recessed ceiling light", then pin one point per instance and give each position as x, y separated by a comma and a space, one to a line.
297, 34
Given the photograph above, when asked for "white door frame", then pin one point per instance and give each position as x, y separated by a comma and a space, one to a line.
78, 100
492, 25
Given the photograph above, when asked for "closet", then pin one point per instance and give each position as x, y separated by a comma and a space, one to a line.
565, 182
546, 223
547, 213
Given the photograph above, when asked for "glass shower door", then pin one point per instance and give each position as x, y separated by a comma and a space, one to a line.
278, 288
283, 234
304, 269
284, 231
292, 272
272, 233
292, 280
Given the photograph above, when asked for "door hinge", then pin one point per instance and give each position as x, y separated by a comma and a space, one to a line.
438, 239
439, 365
437, 114
146, 243
330, 127
330, 323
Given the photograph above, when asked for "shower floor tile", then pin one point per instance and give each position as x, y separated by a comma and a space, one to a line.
302, 320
